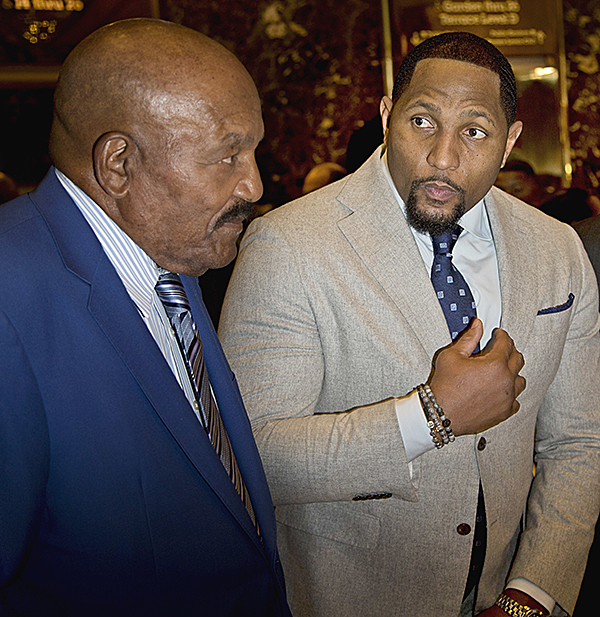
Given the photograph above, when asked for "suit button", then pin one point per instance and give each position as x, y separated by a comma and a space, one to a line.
482, 444
463, 529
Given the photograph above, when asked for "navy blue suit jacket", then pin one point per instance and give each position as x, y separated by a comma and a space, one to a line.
112, 500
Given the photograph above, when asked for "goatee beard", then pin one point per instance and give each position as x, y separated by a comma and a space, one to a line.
435, 223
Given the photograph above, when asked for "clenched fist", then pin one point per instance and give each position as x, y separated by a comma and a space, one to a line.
478, 391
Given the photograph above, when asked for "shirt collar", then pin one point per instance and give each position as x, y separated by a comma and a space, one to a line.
474, 221
136, 269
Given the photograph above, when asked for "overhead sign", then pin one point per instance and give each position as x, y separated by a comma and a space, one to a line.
529, 27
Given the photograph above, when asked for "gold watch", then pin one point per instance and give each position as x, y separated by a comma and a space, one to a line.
514, 609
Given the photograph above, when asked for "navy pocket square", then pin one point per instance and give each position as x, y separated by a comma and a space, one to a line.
559, 308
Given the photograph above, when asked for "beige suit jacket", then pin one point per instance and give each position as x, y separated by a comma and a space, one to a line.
331, 314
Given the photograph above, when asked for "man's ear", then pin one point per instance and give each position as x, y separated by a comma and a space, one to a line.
513, 134
385, 110
110, 155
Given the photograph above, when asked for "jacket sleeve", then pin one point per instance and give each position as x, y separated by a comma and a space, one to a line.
271, 337
564, 500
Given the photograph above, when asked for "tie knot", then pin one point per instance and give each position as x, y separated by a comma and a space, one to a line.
444, 244
172, 294
169, 277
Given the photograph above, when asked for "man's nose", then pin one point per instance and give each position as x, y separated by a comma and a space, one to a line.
250, 187
444, 153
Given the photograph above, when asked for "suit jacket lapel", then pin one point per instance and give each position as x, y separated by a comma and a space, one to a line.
134, 343
377, 230
519, 293
110, 305
236, 421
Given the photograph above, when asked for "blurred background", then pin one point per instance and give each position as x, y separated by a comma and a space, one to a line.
321, 67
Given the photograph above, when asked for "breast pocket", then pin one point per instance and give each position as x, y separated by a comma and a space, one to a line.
554, 319
547, 340
559, 308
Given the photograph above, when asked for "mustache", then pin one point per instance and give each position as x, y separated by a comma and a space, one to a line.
434, 224
240, 210
418, 183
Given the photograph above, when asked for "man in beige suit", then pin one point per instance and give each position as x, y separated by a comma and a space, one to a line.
331, 322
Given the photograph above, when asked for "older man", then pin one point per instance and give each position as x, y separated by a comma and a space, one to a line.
332, 317
130, 483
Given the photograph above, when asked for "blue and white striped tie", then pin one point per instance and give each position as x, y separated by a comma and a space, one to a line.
172, 294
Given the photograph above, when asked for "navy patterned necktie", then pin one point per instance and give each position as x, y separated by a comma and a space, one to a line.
452, 290
172, 294
458, 305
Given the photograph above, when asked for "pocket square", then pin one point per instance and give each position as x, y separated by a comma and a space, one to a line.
559, 308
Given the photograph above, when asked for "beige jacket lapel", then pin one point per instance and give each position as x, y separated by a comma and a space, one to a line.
377, 230
519, 293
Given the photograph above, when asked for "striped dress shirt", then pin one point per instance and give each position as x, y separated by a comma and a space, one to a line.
139, 274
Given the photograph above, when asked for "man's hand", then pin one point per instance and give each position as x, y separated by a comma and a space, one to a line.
478, 392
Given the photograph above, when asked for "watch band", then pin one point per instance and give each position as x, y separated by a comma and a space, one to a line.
514, 609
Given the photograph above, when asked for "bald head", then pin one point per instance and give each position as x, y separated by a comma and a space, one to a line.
131, 71
158, 124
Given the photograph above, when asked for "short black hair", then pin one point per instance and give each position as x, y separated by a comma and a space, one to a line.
465, 47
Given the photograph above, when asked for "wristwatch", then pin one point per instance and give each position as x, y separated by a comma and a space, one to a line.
514, 609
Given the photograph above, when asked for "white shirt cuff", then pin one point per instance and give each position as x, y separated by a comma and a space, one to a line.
413, 426
539, 595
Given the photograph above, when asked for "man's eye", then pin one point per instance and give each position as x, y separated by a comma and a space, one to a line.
228, 160
422, 123
474, 133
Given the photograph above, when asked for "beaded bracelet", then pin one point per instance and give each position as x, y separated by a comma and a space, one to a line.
431, 416
445, 422
439, 425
